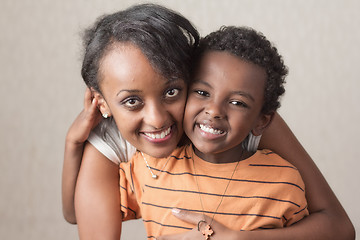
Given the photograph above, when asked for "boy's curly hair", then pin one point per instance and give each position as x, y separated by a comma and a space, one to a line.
251, 46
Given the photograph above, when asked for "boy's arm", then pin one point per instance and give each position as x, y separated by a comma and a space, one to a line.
74, 145
97, 197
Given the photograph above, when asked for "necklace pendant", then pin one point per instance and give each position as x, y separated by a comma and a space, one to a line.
154, 176
207, 232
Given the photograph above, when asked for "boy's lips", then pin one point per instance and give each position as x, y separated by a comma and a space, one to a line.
209, 132
209, 129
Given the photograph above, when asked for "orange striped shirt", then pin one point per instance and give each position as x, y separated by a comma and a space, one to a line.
265, 192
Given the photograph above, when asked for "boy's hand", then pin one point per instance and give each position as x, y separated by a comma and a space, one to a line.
199, 221
88, 118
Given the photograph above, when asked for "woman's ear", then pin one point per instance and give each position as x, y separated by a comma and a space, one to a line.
263, 122
102, 105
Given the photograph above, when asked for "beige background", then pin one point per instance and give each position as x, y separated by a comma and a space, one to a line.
41, 93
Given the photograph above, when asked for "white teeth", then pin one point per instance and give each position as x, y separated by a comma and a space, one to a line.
210, 130
161, 135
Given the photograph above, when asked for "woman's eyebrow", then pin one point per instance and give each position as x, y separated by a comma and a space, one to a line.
174, 81
128, 91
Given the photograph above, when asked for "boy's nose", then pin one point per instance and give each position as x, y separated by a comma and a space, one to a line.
215, 110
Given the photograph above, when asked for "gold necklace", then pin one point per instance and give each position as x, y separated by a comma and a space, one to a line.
153, 175
207, 232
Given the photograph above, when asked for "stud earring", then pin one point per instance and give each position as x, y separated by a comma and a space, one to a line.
105, 115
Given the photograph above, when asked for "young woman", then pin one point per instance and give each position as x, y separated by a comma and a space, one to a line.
155, 45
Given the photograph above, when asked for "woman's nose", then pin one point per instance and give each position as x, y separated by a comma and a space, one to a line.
156, 115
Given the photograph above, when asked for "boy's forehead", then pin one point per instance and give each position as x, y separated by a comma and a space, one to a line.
227, 64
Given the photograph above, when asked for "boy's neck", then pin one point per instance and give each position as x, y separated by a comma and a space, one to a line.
235, 154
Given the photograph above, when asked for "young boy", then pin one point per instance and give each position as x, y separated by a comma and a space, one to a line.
237, 83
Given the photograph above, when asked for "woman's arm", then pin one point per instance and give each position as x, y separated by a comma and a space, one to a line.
71, 167
327, 219
79, 131
97, 197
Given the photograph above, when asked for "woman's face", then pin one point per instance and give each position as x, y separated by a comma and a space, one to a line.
147, 108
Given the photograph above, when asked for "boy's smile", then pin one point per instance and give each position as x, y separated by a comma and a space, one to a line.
224, 104
210, 130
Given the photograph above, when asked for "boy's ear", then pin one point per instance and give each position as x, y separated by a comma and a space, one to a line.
263, 122
102, 105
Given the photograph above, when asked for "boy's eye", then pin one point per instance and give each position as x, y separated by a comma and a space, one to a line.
202, 93
172, 93
239, 103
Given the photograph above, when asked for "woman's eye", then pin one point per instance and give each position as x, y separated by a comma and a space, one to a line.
131, 103
172, 93
202, 93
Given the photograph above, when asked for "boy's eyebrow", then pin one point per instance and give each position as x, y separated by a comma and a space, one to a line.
202, 82
241, 93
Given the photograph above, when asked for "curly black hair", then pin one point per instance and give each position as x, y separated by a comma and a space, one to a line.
165, 37
253, 47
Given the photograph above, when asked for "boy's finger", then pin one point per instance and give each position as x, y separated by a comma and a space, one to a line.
190, 217
184, 235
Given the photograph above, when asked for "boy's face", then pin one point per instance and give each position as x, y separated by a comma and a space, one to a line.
224, 104
148, 109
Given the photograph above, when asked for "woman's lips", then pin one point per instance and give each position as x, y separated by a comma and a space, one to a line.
160, 136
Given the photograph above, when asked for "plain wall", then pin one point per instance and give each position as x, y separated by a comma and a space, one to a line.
42, 92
